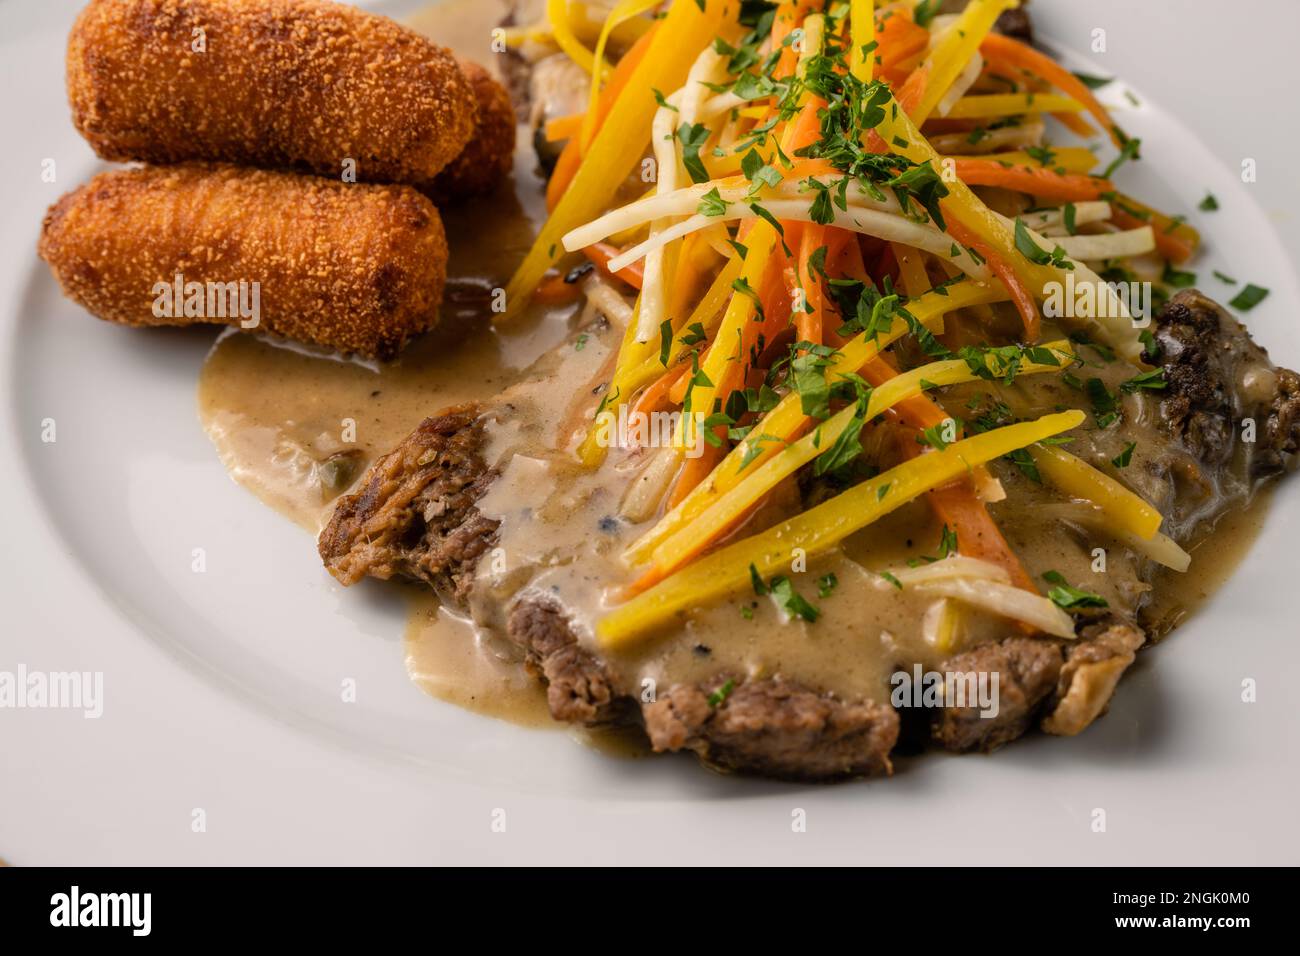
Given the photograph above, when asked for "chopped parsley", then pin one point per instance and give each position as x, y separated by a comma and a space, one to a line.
782, 591
1037, 255
1153, 380
1104, 406
1176, 278
1249, 297
925, 11
722, 693
1130, 150
692, 138
1068, 212
665, 341
1093, 82
933, 436
659, 98
1025, 462
712, 204
1065, 596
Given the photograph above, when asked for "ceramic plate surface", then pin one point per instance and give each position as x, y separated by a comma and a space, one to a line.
221, 689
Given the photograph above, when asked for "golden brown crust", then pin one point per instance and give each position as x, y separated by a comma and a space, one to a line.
489, 156
280, 83
359, 268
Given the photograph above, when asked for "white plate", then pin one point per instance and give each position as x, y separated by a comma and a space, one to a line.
222, 689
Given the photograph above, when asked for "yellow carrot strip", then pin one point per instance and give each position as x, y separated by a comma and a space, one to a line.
1073, 159
949, 57
557, 14
788, 417
1079, 479
586, 22
911, 270
726, 342
862, 34
706, 314
728, 570
696, 536
1011, 104
621, 141
622, 12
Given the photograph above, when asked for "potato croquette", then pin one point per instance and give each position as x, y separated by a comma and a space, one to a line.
272, 83
359, 268
489, 155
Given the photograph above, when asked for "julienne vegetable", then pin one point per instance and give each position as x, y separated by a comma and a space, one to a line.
814, 279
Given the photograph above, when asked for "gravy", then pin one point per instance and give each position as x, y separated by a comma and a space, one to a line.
297, 428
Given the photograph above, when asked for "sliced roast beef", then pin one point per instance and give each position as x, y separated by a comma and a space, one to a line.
580, 689
775, 728
1092, 669
414, 516
1218, 378
1028, 669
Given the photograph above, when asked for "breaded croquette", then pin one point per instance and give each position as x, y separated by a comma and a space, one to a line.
489, 155
272, 83
359, 268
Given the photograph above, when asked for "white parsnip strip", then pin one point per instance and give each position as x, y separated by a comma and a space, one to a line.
1006, 600
686, 202
1045, 220
1108, 245
869, 222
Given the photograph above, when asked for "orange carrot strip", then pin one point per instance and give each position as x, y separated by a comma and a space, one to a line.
600, 253
978, 535
1013, 52
563, 127
657, 395
1038, 181
808, 320
566, 167
955, 504
694, 470
1075, 124
1024, 301
898, 37
1175, 242
553, 290
788, 15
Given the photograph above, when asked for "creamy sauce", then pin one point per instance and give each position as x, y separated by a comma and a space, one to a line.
298, 428
448, 657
